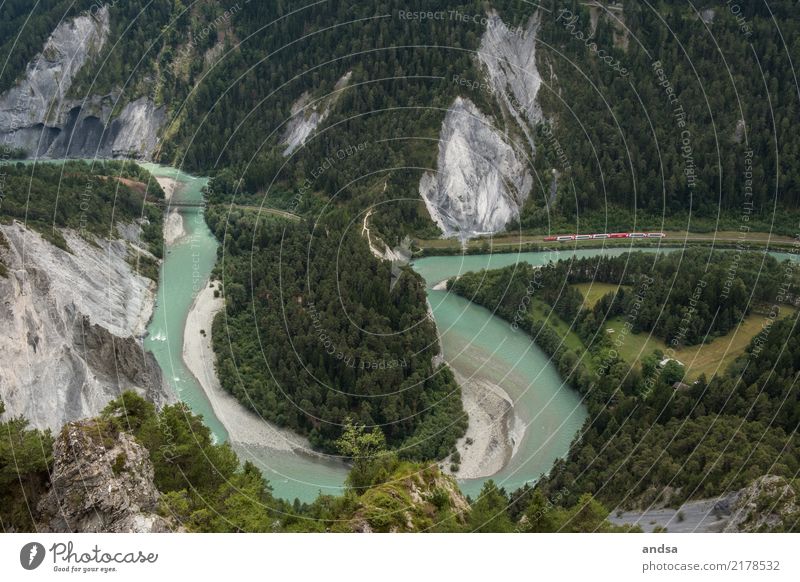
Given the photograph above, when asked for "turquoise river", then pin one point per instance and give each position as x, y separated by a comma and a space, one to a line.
474, 342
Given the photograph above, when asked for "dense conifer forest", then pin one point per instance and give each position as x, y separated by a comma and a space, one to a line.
314, 333
91, 198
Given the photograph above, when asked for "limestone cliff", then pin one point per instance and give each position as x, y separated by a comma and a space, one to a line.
482, 178
308, 114
101, 482
769, 504
509, 59
38, 116
72, 325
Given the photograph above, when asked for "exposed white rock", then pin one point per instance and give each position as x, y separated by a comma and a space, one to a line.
707, 15
37, 115
135, 131
301, 125
509, 57
482, 180
101, 483
739, 131
400, 255
72, 324
38, 98
307, 115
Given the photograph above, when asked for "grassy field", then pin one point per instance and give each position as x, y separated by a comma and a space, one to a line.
542, 312
592, 292
709, 359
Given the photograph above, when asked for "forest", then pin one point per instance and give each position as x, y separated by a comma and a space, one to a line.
313, 334
710, 438
651, 438
616, 141
691, 129
17, 50
91, 198
205, 488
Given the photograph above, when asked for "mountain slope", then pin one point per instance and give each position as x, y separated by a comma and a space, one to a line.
75, 304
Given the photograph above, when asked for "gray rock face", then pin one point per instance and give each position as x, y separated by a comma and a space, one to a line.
708, 15
308, 115
482, 179
768, 504
72, 326
100, 483
38, 98
509, 58
37, 116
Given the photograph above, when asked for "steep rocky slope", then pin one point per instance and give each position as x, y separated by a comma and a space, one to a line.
768, 504
509, 59
410, 501
72, 323
308, 114
100, 483
482, 178
38, 116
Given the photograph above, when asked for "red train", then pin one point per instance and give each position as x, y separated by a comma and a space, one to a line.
569, 237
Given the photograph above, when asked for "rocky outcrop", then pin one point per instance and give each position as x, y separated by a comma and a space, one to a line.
307, 115
72, 327
38, 116
102, 481
509, 58
613, 13
414, 499
768, 504
482, 178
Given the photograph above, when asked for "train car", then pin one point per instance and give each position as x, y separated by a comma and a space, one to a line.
602, 236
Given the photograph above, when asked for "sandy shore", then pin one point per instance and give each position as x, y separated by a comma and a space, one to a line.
243, 426
494, 431
168, 185
173, 227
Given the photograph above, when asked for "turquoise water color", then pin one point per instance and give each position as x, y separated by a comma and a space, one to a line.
475, 343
